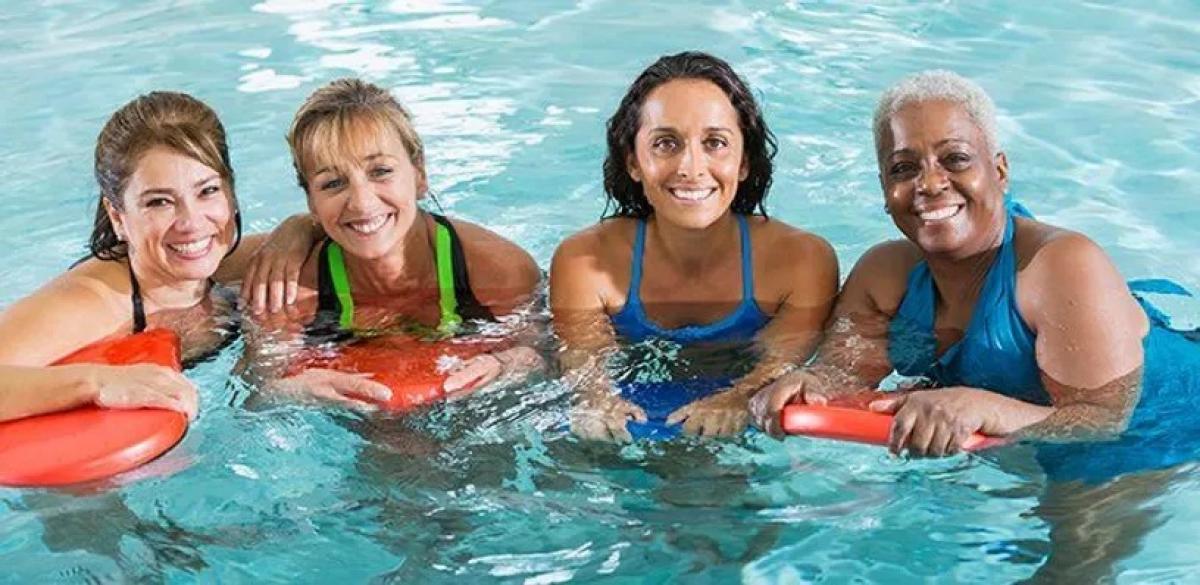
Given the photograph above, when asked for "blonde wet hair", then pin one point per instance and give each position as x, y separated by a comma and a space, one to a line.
333, 120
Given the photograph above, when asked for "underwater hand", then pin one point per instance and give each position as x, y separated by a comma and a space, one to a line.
721, 415
143, 386
936, 423
512, 364
602, 416
342, 388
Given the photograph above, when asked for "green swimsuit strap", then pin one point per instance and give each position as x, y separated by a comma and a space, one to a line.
447, 299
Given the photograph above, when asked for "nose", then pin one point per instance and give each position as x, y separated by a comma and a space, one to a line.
691, 162
931, 181
359, 191
187, 215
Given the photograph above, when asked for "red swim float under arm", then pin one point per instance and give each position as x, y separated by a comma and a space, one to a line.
91, 443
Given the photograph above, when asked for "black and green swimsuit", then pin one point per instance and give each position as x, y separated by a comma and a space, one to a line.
456, 301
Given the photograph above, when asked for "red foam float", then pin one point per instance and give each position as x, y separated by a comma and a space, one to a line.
91, 443
855, 424
412, 368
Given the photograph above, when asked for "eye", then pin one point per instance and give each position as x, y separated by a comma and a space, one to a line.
332, 184
715, 142
380, 172
210, 190
902, 168
665, 144
957, 160
157, 202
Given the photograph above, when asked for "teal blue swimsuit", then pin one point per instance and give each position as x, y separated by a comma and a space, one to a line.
660, 399
997, 352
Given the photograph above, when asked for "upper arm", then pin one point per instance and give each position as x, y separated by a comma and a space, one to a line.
856, 341
61, 317
1089, 328
812, 288
577, 282
233, 267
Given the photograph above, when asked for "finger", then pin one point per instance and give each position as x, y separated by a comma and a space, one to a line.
292, 276
258, 301
921, 438
248, 283
364, 388
275, 289
940, 444
636, 412
898, 438
472, 373
814, 398
887, 405
619, 431
679, 414
694, 425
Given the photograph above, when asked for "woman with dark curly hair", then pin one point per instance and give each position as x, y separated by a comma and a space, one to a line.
686, 254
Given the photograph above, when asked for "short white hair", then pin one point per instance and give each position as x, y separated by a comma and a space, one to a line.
938, 84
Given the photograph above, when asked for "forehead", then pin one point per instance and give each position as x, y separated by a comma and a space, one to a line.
931, 122
687, 103
337, 143
165, 167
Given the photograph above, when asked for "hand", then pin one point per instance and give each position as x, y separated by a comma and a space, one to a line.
601, 415
273, 275
721, 415
481, 370
797, 387
143, 386
936, 423
351, 390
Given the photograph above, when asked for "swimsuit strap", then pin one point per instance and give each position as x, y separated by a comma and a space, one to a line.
747, 260
135, 299
456, 300
635, 278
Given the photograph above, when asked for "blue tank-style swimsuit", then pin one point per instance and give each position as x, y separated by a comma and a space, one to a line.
660, 399
997, 353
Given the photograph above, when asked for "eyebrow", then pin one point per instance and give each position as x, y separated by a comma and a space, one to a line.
939, 144
170, 191
329, 168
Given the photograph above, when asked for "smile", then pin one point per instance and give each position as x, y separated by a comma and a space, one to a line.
692, 195
939, 214
193, 249
369, 225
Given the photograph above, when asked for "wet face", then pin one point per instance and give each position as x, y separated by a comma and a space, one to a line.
688, 153
177, 217
941, 184
366, 199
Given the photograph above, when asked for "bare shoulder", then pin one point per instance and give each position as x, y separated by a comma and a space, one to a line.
587, 266
81, 306
784, 243
880, 277
1059, 267
497, 265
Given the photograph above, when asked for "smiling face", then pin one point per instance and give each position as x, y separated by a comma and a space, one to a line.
688, 153
942, 185
176, 217
365, 194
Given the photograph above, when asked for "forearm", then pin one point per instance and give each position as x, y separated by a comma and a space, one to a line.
29, 391
1086, 414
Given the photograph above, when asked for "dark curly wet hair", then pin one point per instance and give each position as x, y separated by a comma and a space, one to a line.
626, 197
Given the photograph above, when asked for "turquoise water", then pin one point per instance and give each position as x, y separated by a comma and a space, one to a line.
1100, 116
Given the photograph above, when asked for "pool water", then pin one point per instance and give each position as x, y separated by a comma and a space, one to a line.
1100, 117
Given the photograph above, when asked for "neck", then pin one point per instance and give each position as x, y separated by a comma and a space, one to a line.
690, 249
406, 267
960, 279
159, 292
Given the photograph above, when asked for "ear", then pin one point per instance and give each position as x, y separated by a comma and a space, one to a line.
422, 182
631, 166
1002, 171
744, 171
116, 219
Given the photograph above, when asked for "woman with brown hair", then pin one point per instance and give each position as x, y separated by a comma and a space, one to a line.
166, 219
386, 265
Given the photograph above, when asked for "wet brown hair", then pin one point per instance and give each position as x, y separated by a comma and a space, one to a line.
166, 119
338, 113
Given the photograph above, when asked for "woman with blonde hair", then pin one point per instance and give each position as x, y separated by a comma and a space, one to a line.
386, 265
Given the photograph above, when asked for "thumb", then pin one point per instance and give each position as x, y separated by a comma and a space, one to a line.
887, 405
637, 412
681, 414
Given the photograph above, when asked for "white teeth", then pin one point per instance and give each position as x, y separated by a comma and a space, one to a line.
369, 226
938, 214
189, 248
693, 194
